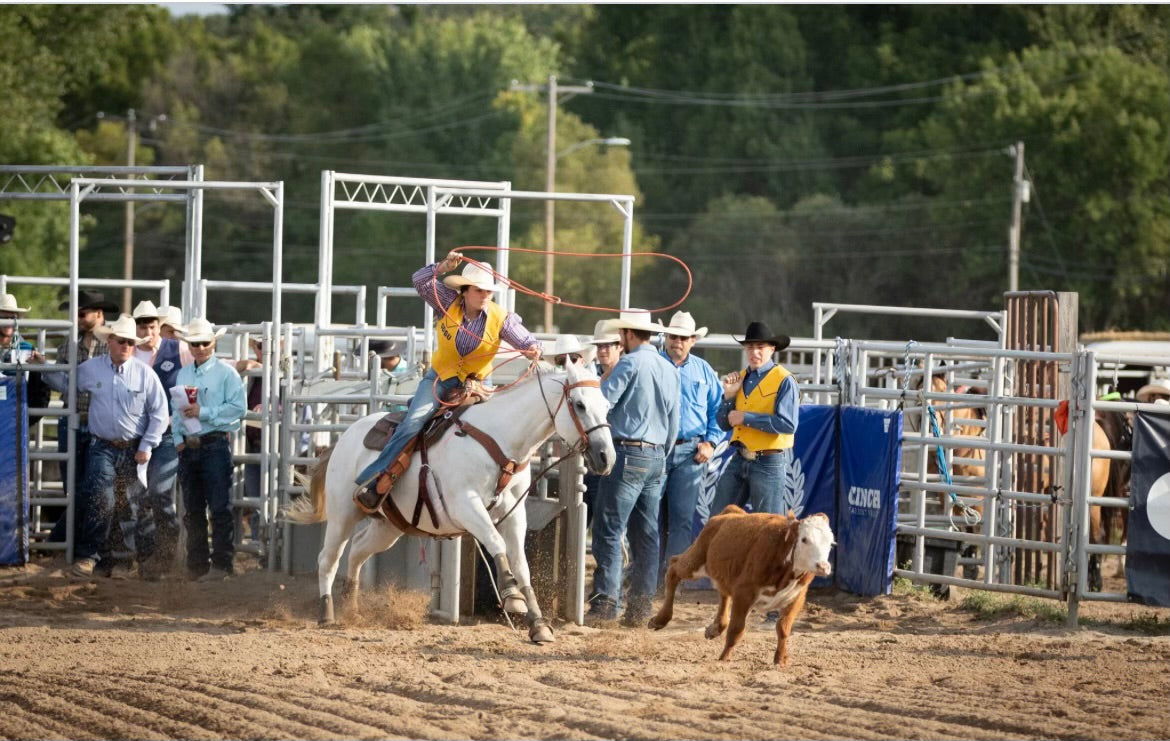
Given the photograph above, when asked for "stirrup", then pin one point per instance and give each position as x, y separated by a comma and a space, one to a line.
376, 511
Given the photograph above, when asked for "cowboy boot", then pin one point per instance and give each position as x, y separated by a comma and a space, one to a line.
370, 498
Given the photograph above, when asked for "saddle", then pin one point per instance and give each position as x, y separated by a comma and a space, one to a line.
472, 392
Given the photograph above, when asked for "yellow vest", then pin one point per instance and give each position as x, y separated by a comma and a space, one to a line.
447, 361
761, 401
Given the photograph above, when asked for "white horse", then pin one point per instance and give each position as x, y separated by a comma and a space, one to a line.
463, 482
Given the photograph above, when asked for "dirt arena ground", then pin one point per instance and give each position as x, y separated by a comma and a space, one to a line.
244, 659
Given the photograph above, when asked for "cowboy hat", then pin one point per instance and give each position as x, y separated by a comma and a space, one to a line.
124, 329
91, 300
199, 330
1147, 393
601, 336
682, 324
385, 348
761, 332
147, 310
570, 344
8, 303
475, 274
636, 319
172, 316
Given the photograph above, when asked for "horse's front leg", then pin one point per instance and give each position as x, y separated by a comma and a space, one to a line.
513, 529
468, 512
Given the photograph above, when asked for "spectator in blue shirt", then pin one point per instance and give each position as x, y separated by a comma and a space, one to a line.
698, 434
643, 390
127, 418
205, 456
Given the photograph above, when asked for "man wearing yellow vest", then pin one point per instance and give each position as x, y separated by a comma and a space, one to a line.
761, 408
470, 327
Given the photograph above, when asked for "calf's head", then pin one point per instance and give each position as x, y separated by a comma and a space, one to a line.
813, 543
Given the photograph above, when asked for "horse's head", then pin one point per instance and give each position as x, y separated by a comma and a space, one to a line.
582, 419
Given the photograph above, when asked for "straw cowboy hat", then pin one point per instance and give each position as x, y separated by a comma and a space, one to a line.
682, 324
636, 319
761, 332
124, 329
200, 330
88, 300
602, 336
475, 274
1155, 390
8, 303
570, 344
147, 310
171, 315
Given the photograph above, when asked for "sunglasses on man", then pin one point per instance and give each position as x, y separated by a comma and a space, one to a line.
574, 358
123, 342
609, 345
199, 344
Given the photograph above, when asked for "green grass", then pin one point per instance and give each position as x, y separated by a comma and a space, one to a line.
989, 605
904, 587
1149, 624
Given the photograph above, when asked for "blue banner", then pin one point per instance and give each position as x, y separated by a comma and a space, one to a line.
14, 504
1147, 548
870, 459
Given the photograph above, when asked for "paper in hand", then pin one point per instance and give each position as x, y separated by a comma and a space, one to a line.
191, 425
142, 473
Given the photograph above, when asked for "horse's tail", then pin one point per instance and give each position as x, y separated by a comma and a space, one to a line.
310, 508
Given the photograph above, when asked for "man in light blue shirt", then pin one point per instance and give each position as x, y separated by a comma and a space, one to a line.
127, 418
698, 435
643, 389
205, 456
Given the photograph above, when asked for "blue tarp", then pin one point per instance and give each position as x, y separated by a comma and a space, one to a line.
871, 457
13, 472
1147, 549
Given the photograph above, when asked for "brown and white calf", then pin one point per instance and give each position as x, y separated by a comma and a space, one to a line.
754, 560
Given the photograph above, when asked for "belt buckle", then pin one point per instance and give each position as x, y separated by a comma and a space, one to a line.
193, 441
748, 455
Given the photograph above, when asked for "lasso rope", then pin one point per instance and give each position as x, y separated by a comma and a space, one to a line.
496, 348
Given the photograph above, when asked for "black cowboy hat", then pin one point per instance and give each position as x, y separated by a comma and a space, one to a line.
91, 300
385, 348
761, 332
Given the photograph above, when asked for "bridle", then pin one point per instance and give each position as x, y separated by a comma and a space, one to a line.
566, 389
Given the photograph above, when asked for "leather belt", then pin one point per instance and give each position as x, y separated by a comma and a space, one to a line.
751, 455
120, 444
636, 443
682, 440
195, 441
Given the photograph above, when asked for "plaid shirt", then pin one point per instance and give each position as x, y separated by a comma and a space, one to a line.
87, 347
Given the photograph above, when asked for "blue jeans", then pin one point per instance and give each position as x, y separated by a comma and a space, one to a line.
759, 483
680, 498
628, 499
205, 474
422, 408
94, 506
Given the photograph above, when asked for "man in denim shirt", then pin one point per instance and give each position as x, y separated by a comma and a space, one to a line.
698, 434
205, 455
761, 407
643, 389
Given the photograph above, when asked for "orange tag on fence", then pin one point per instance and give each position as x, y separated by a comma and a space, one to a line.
1061, 417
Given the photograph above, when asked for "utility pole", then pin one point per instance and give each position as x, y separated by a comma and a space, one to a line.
550, 179
1019, 197
128, 254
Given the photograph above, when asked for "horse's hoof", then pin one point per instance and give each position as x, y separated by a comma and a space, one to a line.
326, 617
656, 624
712, 631
541, 632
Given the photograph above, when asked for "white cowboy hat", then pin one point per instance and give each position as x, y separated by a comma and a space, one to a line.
475, 274
147, 310
682, 324
124, 328
636, 319
1161, 387
570, 344
199, 330
8, 303
602, 336
171, 315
